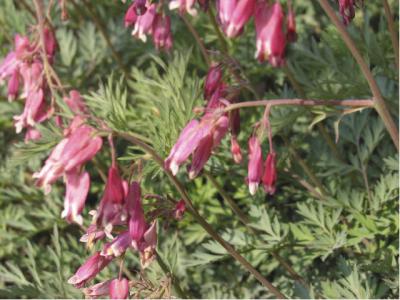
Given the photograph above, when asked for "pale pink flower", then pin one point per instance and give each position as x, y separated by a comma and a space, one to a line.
119, 289
77, 188
34, 108
75, 102
144, 24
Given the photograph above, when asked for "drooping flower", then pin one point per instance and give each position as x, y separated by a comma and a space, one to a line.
13, 86
291, 34
162, 36
75, 102
118, 245
50, 43
179, 210
270, 174
255, 164
140, 7
130, 16
119, 288
137, 221
80, 146
77, 188
92, 235
99, 290
271, 40
235, 150
347, 11
183, 6
212, 81
234, 14
89, 270
201, 155
148, 245
144, 23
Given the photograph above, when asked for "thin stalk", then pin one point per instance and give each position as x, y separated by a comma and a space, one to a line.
392, 30
174, 280
379, 102
198, 39
245, 221
202, 222
301, 102
300, 92
102, 28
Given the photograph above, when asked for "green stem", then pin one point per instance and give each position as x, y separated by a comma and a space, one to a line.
203, 223
379, 102
392, 30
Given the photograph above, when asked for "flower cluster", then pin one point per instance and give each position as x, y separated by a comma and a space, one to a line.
146, 19
199, 138
24, 69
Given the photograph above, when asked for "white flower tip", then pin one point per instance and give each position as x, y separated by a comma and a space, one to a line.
192, 174
174, 167
73, 280
253, 188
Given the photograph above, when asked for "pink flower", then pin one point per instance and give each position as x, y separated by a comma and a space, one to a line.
270, 174
35, 107
98, 290
71, 152
346, 9
255, 164
89, 270
213, 80
144, 23
50, 43
162, 36
271, 40
235, 150
75, 102
183, 6
32, 134
118, 245
137, 221
234, 14
140, 7
179, 210
119, 289
77, 188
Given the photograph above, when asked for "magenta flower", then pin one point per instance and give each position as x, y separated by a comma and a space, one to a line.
13, 86
179, 210
235, 150
183, 6
213, 80
255, 164
77, 188
50, 43
137, 221
119, 288
144, 23
140, 7
201, 155
118, 245
162, 36
148, 245
98, 290
346, 9
92, 234
130, 16
89, 270
34, 109
234, 14
270, 174
271, 40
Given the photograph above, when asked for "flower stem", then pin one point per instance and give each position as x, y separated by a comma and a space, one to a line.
379, 102
301, 102
392, 30
198, 39
203, 223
